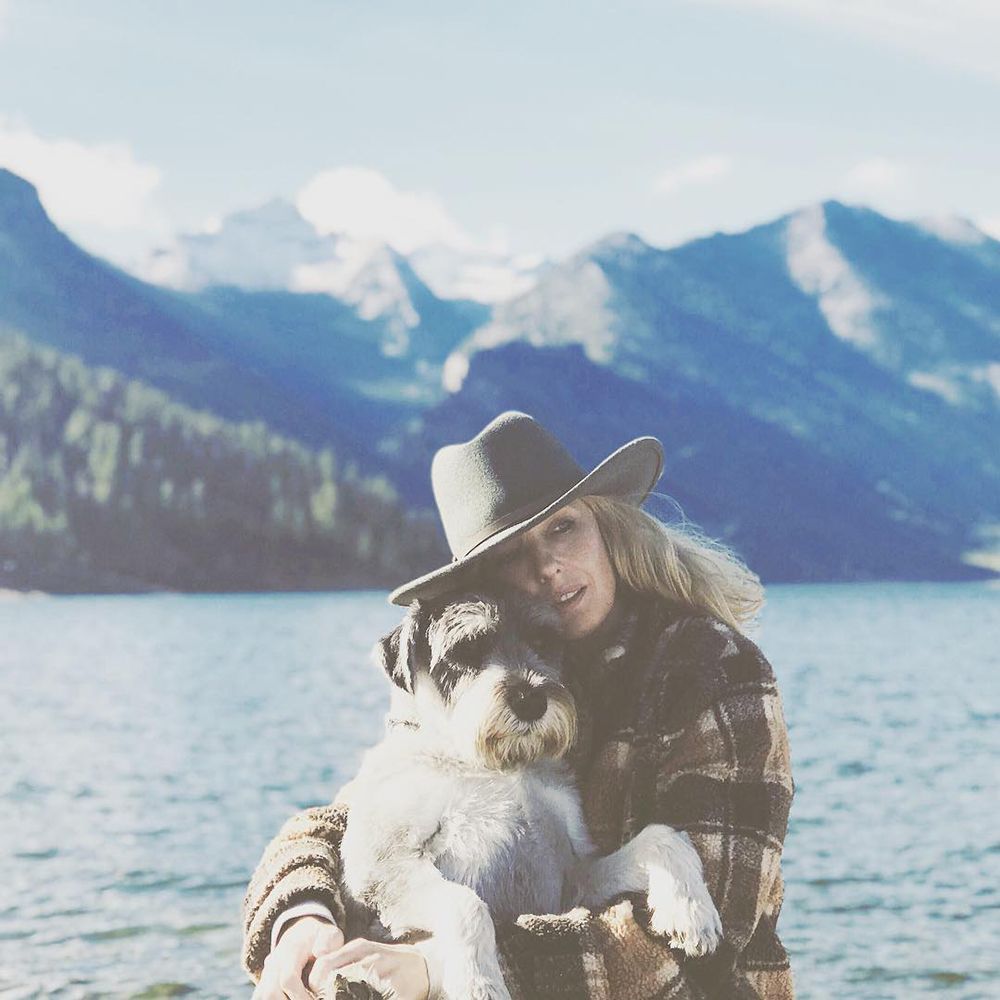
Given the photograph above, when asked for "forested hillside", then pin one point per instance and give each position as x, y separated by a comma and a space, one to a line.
108, 484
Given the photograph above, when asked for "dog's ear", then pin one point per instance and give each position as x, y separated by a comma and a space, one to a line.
399, 652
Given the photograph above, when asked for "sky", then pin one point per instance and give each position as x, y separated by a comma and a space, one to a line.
525, 127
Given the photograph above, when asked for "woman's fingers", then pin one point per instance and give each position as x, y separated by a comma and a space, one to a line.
280, 981
305, 940
326, 965
398, 965
351, 952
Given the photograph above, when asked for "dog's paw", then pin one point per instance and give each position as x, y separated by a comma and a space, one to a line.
343, 988
688, 917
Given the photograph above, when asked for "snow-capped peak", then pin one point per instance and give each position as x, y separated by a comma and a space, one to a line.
366, 274
257, 249
273, 247
571, 307
952, 229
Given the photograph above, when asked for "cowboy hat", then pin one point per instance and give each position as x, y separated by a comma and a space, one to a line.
511, 476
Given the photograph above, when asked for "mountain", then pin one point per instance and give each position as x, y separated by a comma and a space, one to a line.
825, 384
269, 265
309, 366
871, 342
259, 249
920, 300
793, 513
274, 248
58, 295
828, 283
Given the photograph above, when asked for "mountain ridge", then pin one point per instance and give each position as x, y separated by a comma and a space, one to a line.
741, 329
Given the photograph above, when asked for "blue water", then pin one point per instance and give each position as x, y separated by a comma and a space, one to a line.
150, 746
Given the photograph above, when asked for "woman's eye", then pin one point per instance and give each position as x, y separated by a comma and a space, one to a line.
561, 527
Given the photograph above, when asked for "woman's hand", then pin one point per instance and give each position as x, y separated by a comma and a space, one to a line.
305, 941
400, 966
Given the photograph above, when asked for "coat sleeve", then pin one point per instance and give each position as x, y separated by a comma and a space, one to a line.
711, 758
717, 766
301, 863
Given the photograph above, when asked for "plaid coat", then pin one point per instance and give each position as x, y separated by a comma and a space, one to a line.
688, 731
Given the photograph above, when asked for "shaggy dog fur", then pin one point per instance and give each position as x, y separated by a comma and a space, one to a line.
467, 812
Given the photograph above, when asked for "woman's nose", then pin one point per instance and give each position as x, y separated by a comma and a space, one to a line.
546, 564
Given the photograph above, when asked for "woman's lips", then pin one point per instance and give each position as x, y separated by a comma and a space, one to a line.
569, 599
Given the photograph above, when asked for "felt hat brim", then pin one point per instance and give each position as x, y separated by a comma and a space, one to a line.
630, 473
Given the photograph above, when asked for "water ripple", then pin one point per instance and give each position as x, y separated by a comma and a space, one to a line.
182, 731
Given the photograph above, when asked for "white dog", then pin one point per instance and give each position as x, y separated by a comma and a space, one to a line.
469, 815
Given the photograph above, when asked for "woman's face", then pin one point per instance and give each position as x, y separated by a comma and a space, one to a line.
562, 560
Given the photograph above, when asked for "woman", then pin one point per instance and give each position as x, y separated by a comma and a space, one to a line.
680, 723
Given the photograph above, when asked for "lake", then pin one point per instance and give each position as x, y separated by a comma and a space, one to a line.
150, 746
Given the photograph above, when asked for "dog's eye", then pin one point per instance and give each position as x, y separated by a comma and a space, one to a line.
469, 652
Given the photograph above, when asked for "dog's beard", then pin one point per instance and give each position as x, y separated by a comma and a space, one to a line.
491, 732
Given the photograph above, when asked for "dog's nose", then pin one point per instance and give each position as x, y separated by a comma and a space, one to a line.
527, 703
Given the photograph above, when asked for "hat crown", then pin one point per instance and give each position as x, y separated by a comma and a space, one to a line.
511, 469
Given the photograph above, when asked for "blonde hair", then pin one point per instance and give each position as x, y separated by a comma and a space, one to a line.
676, 562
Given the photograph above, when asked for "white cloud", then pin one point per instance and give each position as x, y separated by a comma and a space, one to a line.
874, 178
959, 33
702, 170
212, 224
361, 202
93, 185
990, 225
952, 229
